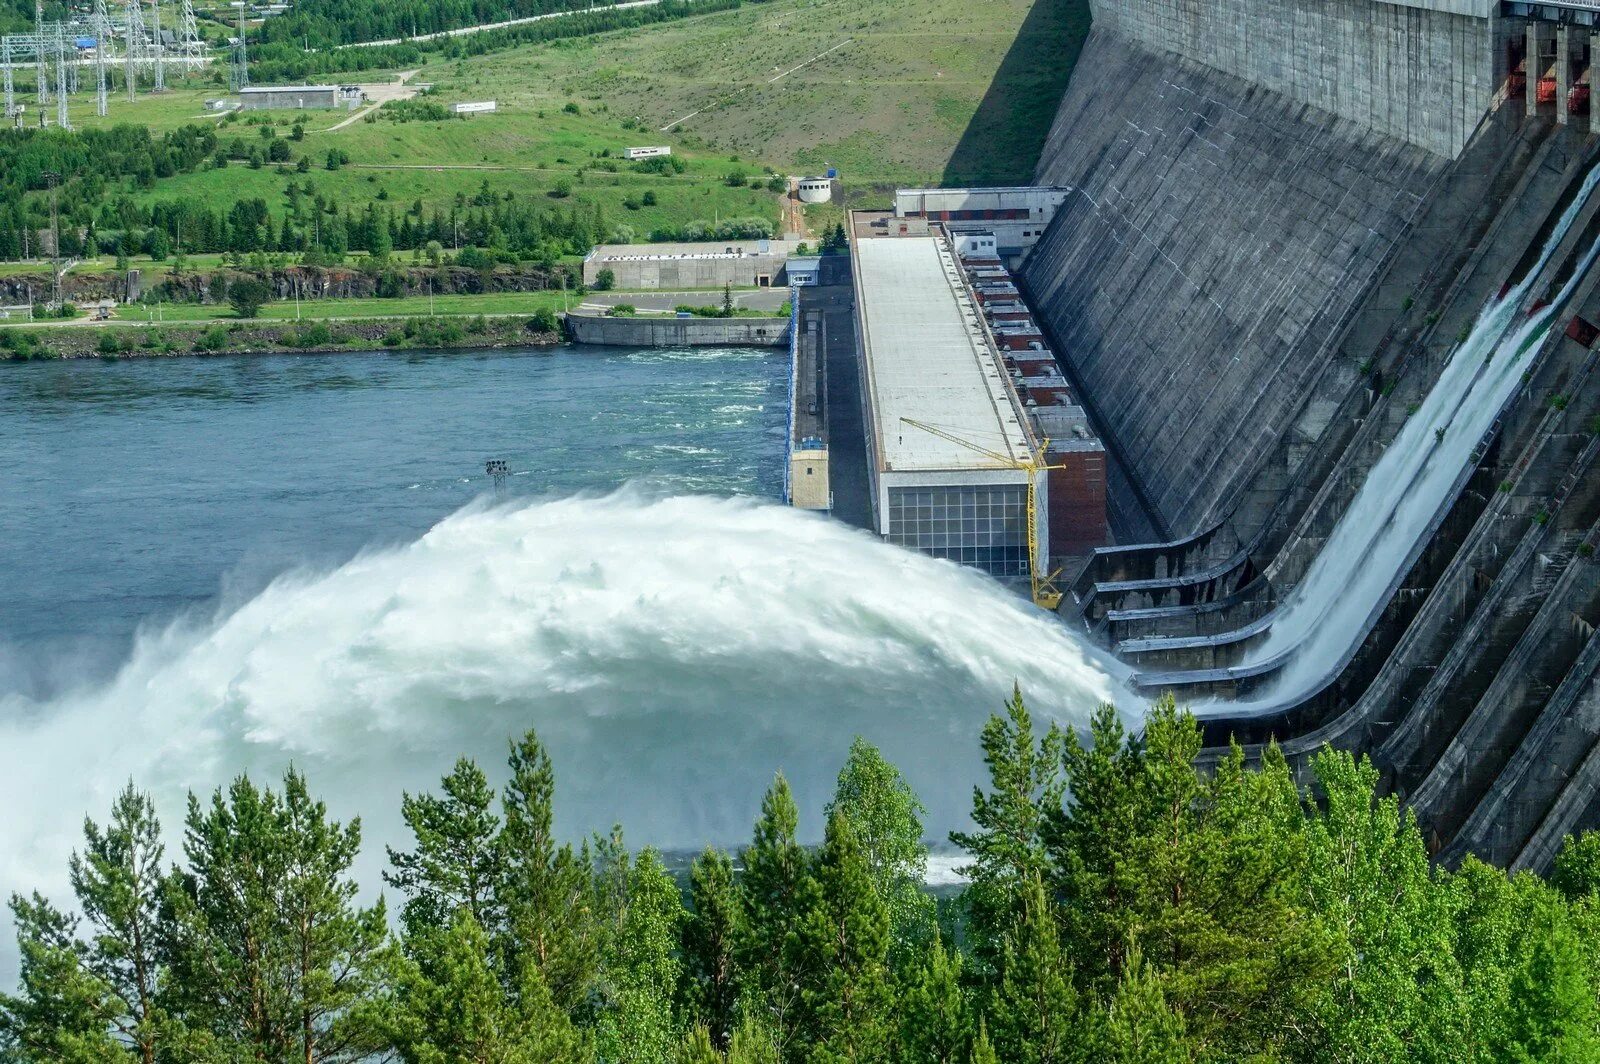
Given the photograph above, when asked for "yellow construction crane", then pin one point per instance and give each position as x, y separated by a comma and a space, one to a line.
1045, 593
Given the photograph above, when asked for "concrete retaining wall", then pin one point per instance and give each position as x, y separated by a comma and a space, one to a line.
1422, 72
1196, 281
678, 332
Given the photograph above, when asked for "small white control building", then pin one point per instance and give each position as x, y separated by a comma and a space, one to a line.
648, 152
478, 107
815, 189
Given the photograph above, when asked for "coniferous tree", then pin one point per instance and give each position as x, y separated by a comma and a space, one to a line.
61, 1013
545, 889
1035, 1016
776, 878
936, 1025
118, 881
886, 816
983, 1049
696, 1048
271, 954
456, 863
642, 969
711, 934
843, 950
1140, 1028
1024, 777
450, 1005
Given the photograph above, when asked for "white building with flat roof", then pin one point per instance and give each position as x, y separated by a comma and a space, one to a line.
1015, 217
927, 364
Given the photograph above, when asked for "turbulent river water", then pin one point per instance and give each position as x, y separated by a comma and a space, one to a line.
226, 565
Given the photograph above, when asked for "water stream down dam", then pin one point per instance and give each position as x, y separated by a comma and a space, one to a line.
1330, 296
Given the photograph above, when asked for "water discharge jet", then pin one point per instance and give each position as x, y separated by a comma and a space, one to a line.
673, 651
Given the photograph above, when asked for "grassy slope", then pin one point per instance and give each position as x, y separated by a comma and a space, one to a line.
930, 91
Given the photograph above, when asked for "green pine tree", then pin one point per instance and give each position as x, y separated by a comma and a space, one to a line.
1139, 1027
449, 1005
843, 950
272, 954
1024, 777
711, 934
456, 863
546, 890
62, 1014
1035, 1016
119, 882
936, 1024
886, 816
773, 890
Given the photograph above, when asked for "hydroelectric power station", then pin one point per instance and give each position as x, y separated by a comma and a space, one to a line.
1318, 280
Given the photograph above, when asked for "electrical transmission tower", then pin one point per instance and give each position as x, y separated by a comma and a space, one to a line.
239, 77
157, 47
133, 31
38, 52
189, 36
61, 45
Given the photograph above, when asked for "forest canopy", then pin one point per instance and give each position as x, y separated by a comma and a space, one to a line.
1123, 906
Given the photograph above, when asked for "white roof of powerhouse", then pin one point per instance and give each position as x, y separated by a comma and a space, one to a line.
928, 360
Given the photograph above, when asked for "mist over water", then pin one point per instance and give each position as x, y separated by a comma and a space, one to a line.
673, 651
674, 642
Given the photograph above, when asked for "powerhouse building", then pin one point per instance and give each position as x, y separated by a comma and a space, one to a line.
926, 366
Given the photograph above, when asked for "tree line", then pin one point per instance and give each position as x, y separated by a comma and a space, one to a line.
1123, 906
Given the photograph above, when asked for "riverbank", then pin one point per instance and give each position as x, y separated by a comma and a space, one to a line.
168, 340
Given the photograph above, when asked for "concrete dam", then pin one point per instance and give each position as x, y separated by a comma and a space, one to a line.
1325, 278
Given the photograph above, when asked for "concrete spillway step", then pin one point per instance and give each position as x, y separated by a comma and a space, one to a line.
1465, 799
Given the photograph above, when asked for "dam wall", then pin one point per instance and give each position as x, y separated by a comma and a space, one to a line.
1421, 71
1218, 237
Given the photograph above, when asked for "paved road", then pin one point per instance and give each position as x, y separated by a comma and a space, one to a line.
465, 30
847, 447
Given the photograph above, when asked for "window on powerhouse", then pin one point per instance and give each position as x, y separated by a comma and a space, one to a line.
984, 526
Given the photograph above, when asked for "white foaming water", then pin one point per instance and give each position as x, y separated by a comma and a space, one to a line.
1325, 616
673, 653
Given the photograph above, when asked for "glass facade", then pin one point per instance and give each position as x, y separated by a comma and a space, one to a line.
982, 525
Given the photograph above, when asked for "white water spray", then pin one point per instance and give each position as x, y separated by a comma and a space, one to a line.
1325, 617
672, 652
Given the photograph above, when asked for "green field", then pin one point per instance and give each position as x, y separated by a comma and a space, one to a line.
889, 91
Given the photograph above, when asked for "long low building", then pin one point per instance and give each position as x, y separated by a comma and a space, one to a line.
946, 433
703, 264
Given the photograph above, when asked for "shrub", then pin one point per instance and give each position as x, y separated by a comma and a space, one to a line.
315, 335
561, 189
1558, 402
605, 280
1586, 550
734, 179
246, 296
623, 310
393, 338
543, 321
648, 199
107, 344
571, 108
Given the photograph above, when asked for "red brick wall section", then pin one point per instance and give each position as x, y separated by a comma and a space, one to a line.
1077, 503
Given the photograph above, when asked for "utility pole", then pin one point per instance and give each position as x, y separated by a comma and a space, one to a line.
51, 180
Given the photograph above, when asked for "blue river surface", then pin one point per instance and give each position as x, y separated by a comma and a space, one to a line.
136, 491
